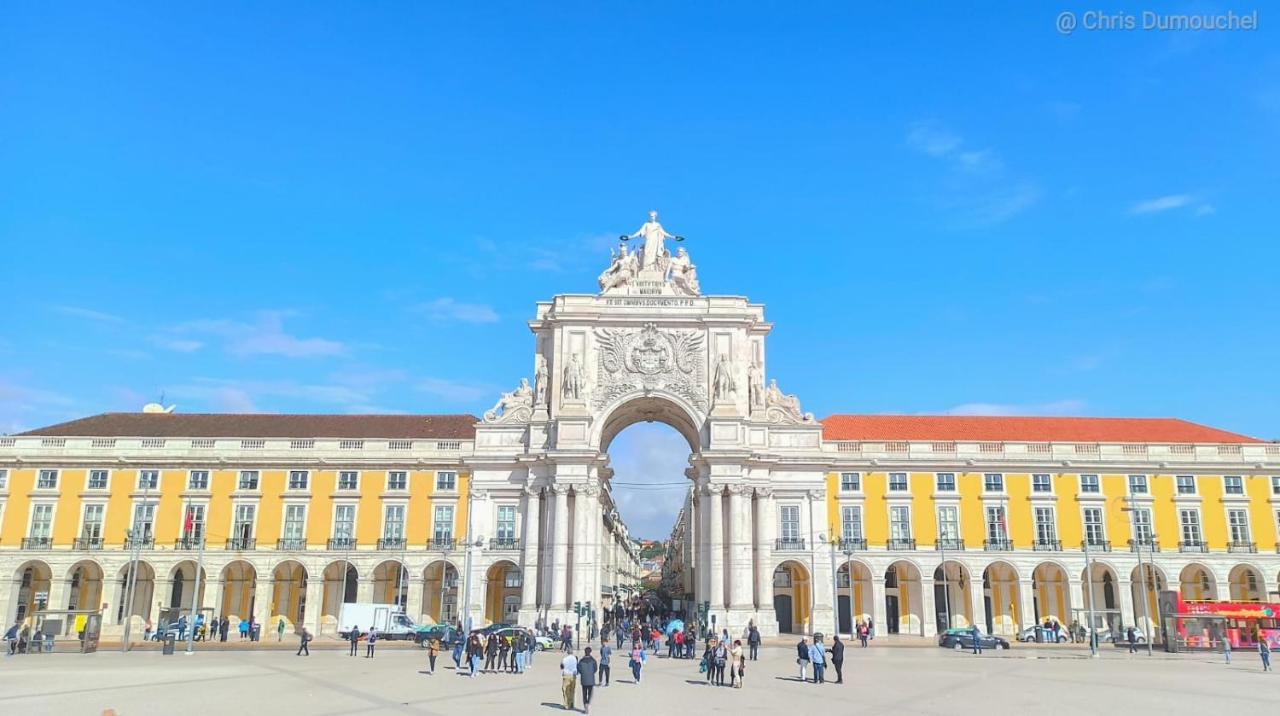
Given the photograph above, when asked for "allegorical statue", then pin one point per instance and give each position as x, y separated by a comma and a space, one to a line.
622, 268
540, 381
684, 275
755, 386
654, 241
785, 405
513, 406
571, 385
722, 384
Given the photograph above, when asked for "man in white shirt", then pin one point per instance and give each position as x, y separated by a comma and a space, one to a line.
568, 679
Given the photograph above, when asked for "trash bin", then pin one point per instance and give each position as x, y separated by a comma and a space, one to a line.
48, 644
257, 633
1041, 634
168, 643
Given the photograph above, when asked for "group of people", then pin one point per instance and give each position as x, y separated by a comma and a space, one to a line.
496, 653
718, 655
817, 656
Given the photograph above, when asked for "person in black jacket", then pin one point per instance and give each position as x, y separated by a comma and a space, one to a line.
587, 677
802, 657
354, 638
837, 658
753, 640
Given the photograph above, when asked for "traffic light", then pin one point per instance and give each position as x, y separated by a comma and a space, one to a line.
577, 608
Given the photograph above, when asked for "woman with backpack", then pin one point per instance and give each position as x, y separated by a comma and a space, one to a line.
721, 658
638, 656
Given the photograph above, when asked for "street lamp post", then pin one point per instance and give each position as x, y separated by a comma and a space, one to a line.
848, 568
835, 587
195, 594
135, 554
1142, 578
946, 584
444, 577
1088, 580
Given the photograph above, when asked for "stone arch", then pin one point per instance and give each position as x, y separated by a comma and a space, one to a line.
1246, 584
637, 407
341, 584
239, 580
503, 582
84, 582
391, 583
952, 582
143, 593
1197, 583
1146, 582
903, 608
440, 584
288, 592
31, 578
182, 578
792, 597
1002, 599
1051, 592
853, 599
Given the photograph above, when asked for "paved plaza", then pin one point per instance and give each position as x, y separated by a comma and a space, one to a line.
878, 680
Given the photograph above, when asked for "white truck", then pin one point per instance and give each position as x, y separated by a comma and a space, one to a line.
389, 619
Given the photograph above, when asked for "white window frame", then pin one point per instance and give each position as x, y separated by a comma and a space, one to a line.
498, 522
31, 518
783, 522
191, 476
1275, 485
854, 511
937, 482
989, 525
102, 523
88, 480
905, 482
236, 522
855, 478
150, 503
42, 472
285, 521
1101, 524
4, 479
243, 475
987, 479
1135, 524
955, 523
1095, 483
1196, 525
1145, 481
200, 527
333, 522
403, 474
387, 509
452, 480
153, 485
1047, 482
436, 522
291, 484
1231, 526
1233, 481
1189, 481
353, 488
900, 509
1038, 525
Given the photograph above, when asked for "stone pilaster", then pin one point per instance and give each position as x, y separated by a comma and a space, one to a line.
560, 548
532, 518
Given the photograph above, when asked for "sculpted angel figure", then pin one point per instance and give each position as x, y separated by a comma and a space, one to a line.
510, 403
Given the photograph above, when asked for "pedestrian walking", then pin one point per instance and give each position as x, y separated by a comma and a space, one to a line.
837, 658
1132, 637
457, 654
475, 652
490, 651
1226, 647
280, 630
304, 638
433, 651
1264, 651
977, 639
568, 679
802, 657
818, 657
587, 677
863, 632
354, 637
753, 640
223, 628
244, 629
638, 657
369, 644
736, 668
606, 652
721, 660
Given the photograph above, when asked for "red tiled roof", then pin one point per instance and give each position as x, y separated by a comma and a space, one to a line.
1023, 429
253, 425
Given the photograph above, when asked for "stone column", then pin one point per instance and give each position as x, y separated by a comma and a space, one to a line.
1128, 613
315, 602
364, 589
582, 552
765, 533
928, 608
879, 618
529, 568
413, 600
560, 548
740, 553
1075, 600
264, 607
1027, 604
598, 549
715, 542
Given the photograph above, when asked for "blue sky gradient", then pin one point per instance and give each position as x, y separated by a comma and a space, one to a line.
341, 207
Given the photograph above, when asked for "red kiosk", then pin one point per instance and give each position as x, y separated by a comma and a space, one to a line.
1203, 625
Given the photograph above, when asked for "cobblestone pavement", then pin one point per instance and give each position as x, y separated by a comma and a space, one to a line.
877, 680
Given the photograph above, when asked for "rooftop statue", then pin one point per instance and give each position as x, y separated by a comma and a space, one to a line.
649, 269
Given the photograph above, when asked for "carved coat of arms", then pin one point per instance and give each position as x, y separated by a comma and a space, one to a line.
650, 359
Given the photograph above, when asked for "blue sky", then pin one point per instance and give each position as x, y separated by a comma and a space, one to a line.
329, 207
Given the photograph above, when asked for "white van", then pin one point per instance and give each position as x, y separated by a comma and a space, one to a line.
389, 619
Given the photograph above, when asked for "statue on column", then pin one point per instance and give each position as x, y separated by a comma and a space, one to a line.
654, 241
722, 385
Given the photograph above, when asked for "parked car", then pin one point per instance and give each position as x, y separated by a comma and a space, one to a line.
1029, 634
1106, 637
447, 635
962, 638
487, 630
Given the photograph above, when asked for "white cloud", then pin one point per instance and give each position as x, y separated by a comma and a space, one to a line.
452, 391
22, 407
87, 313
245, 396
1159, 204
976, 186
180, 345
448, 309
266, 336
932, 139
1059, 407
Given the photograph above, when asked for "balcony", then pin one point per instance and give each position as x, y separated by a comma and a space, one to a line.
789, 545
901, 543
1047, 545
242, 544
1148, 544
442, 542
37, 543
1242, 547
140, 542
1096, 545
292, 544
1193, 546
507, 543
954, 545
391, 543
853, 544
998, 545
87, 543
342, 543
188, 543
